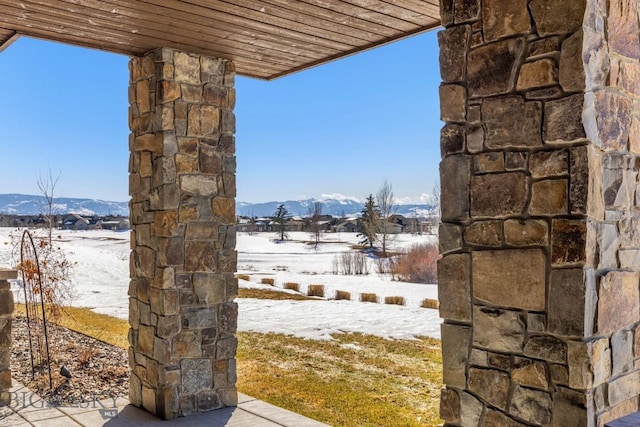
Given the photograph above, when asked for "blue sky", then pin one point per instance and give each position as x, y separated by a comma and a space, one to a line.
343, 127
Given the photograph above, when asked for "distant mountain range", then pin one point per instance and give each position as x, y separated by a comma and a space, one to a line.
22, 204
333, 204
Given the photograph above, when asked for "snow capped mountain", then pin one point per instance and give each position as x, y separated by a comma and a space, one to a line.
22, 204
338, 205
332, 204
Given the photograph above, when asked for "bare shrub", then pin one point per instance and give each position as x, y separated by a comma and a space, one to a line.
343, 295
292, 286
349, 263
365, 297
267, 281
418, 265
430, 303
315, 291
245, 277
386, 265
395, 300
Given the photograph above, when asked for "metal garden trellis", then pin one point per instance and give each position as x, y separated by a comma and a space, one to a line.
34, 307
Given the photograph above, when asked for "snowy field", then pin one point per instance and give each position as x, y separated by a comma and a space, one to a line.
101, 280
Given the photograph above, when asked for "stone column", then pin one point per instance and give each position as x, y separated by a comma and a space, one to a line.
182, 185
6, 313
538, 282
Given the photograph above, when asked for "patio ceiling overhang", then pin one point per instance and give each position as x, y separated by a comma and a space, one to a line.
265, 38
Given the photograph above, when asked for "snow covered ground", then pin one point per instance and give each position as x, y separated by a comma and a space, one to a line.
101, 281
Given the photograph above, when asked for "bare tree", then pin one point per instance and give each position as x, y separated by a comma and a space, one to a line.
315, 215
386, 207
47, 185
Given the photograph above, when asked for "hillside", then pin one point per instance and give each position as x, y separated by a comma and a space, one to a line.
22, 204
337, 205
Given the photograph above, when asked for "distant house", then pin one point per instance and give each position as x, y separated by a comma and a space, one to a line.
115, 223
75, 222
348, 226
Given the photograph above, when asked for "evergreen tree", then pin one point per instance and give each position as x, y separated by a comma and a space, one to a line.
369, 222
280, 217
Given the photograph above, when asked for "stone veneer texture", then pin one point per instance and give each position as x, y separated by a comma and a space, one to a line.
6, 313
538, 283
182, 185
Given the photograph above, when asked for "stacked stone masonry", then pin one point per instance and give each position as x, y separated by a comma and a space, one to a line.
6, 313
540, 231
182, 186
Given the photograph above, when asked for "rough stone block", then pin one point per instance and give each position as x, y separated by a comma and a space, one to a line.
510, 278
454, 178
197, 375
471, 410
621, 352
550, 197
484, 233
544, 164
490, 385
450, 406
526, 232
511, 122
567, 295
453, 103
453, 44
498, 330
618, 301
489, 162
624, 388
569, 408
557, 17
532, 406
537, 74
589, 363
546, 348
452, 139
504, 18
454, 291
449, 238
493, 418
515, 160
612, 118
568, 242
498, 194
491, 67
530, 373
572, 76
563, 119
623, 28
456, 340
579, 180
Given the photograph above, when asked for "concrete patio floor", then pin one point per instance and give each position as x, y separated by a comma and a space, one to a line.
28, 409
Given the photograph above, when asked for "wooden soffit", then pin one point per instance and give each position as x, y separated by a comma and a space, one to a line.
265, 38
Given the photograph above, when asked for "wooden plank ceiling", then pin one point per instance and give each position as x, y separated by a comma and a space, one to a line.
265, 38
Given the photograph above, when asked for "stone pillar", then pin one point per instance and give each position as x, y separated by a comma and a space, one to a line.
6, 313
538, 282
182, 185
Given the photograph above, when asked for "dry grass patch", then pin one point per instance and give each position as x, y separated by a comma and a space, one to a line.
430, 303
106, 328
355, 380
269, 294
344, 295
365, 297
244, 277
395, 300
315, 290
292, 286
267, 281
